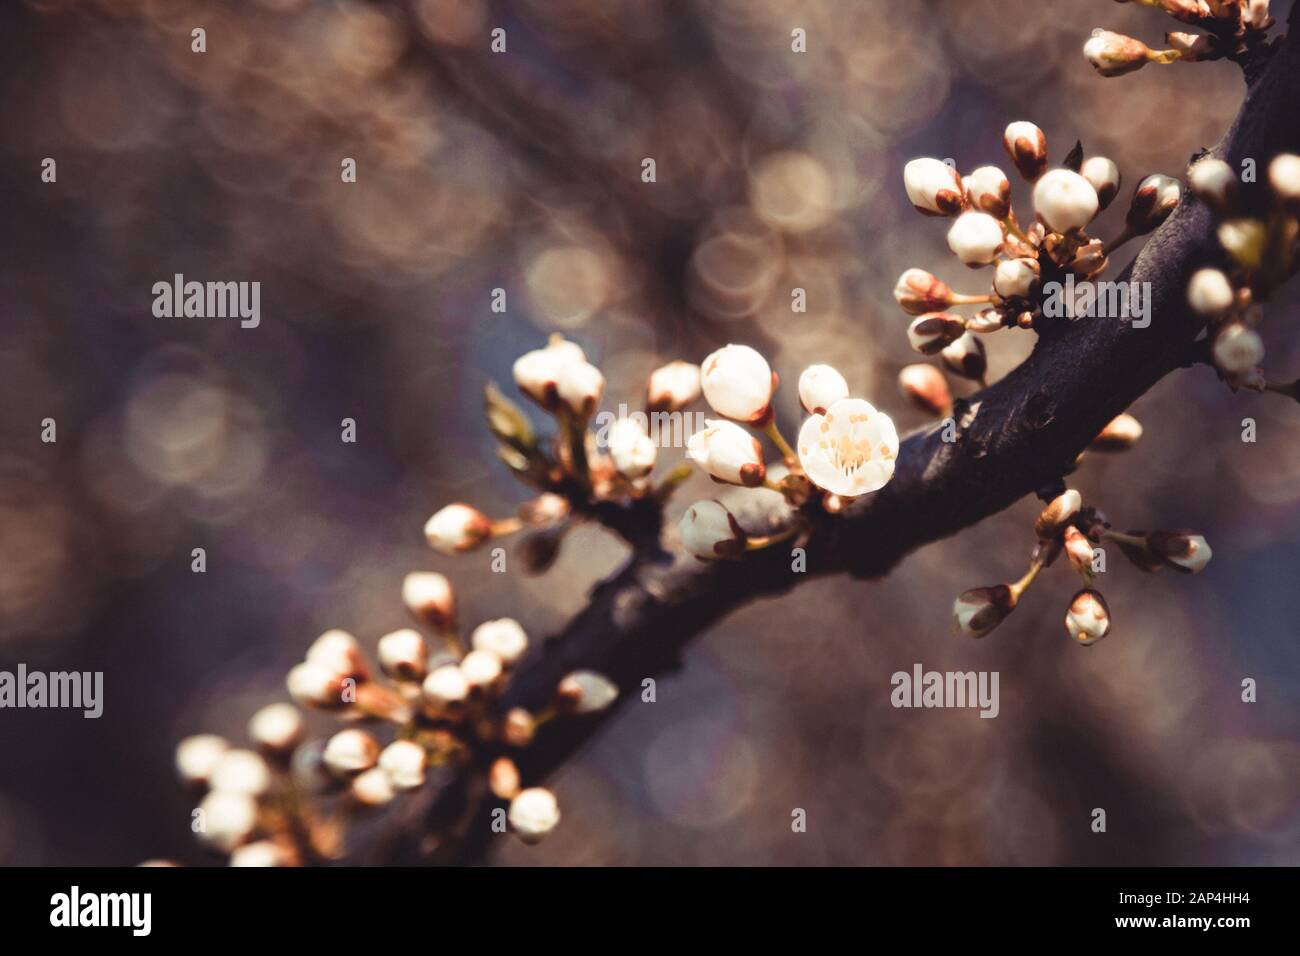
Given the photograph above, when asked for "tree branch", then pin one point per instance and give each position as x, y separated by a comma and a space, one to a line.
1019, 435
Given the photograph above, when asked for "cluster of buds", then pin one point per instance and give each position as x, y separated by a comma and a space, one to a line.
427, 707
1066, 526
846, 448
1025, 258
1234, 30
1262, 252
573, 471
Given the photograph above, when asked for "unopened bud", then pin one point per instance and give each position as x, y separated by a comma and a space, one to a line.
504, 637
316, 685
965, 357
241, 771
673, 386
1104, 177
1121, 434
1245, 240
430, 598
403, 763
1016, 279
708, 530
457, 527
503, 778
1238, 349
917, 291
339, 651
1090, 258
580, 386
1065, 201
738, 383
445, 687
1027, 147
930, 333
631, 448
1213, 182
1153, 200
586, 692
1088, 618
1210, 294
727, 452
1114, 54
481, 669
933, 187
978, 611
986, 320
533, 814
987, 190
1183, 551
1059, 511
926, 388
402, 655
820, 387
519, 727
229, 819
276, 728
350, 752
975, 238
371, 788
197, 755
1079, 550
1284, 177
1254, 14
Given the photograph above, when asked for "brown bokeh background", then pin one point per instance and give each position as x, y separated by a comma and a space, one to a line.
522, 171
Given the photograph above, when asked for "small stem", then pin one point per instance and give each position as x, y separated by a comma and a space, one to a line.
506, 526
1022, 585
960, 299
575, 446
758, 542
1010, 225
774, 433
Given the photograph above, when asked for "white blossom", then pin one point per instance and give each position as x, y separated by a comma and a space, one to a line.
673, 386
580, 386
989, 190
1016, 278
537, 373
850, 450
820, 387
1104, 177
728, 453
737, 383
975, 238
1064, 200
933, 186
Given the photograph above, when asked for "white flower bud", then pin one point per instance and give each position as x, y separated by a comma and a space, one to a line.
1209, 293
1016, 278
1284, 177
481, 669
708, 530
241, 771
1064, 200
673, 386
978, 611
503, 778
338, 651
1237, 349
820, 387
445, 687
933, 187
988, 190
728, 453
503, 637
429, 598
457, 527
1079, 550
1181, 550
1088, 618
1214, 182
403, 763
849, 451
1153, 201
196, 757
1114, 54
1057, 513
580, 386
1104, 177
738, 383
918, 291
229, 819
277, 727
317, 685
631, 448
402, 654
371, 788
928, 334
586, 692
1120, 434
975, 238
350, 752
926, 388
519, 727
537, 373
534, 813
1027, 147
260, 853
965, 357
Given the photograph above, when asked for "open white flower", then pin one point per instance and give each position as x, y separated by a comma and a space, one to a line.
457, 527
1104, 177
737, 383
534, 813
1088, 618
975, 238
1027, 147
537, 373
631, 448
933, 187
820, 387
1064, 200
673, 386
504, 637
708, 530
850, 450
728, 453
989, 190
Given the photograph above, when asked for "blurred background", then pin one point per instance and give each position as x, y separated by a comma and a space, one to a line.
523, 171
